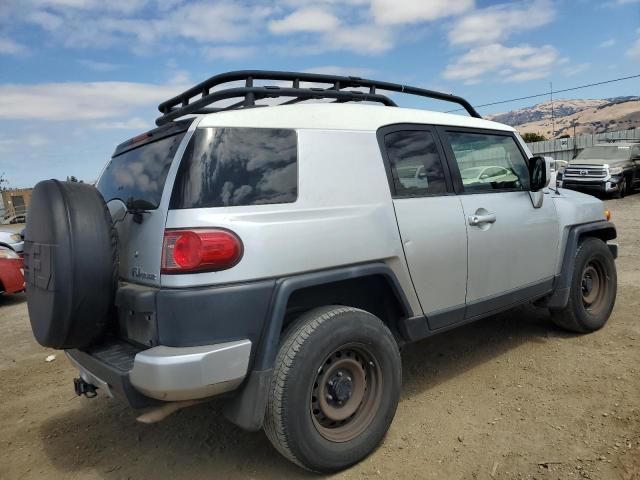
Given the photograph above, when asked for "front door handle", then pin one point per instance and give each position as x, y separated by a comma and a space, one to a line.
476, 220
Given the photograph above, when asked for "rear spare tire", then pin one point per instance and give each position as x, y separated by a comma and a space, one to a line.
71, 264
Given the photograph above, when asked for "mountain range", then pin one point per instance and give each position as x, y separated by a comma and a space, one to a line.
558, 118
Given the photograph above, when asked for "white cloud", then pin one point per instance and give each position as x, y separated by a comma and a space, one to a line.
180, 77
310, 19
134, 123
499, 22
206, 21
102, 24
99, 66
394, 12
75, 101
344, 71
634, 51
121, 6
229, 52
46, 20
525, 76
572, 70
515, 64
33, 140
367, 39
10, 47
608, 43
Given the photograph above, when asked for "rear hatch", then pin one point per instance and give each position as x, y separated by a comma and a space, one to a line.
133, 185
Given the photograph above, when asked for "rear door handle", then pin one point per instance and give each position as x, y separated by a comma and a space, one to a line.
482, 219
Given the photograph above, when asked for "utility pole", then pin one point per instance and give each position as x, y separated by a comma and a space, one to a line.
553, 118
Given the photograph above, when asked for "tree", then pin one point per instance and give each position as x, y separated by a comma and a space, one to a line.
4, 183
533, 137
73, 178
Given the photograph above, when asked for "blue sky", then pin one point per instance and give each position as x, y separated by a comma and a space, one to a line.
78, 77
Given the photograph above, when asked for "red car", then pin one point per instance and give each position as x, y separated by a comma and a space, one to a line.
11, 271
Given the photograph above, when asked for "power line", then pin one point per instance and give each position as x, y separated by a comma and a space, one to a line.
547, 93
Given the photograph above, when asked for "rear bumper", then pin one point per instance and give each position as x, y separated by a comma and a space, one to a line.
178, 344
164, 373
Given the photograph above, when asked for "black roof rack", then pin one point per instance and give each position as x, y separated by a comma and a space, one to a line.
199, 98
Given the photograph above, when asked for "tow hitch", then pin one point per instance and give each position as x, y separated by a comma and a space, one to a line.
84, 388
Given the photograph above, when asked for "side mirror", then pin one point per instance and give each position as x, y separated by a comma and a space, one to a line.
538, 178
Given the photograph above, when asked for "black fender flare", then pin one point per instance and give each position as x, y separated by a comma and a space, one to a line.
601, 229
247, 408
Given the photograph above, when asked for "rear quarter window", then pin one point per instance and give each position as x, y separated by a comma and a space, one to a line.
138, 175
225, 167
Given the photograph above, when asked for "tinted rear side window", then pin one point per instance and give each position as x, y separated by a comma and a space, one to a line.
137, 176
225, 167
416, 165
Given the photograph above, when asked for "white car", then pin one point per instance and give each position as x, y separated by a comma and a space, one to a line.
488, 174
11, 240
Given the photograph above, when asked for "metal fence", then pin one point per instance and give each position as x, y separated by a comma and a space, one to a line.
17, 214
568, 148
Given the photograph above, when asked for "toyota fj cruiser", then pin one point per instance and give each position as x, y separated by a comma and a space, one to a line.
280, 256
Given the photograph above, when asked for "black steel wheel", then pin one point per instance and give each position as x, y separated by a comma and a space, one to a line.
346, 393
335, 388
593, 289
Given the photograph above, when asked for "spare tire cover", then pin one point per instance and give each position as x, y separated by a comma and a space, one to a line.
71, 264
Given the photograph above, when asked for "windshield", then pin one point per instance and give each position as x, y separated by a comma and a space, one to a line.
605, 152
137, 176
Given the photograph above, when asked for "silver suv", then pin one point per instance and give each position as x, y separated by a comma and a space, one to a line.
283, 255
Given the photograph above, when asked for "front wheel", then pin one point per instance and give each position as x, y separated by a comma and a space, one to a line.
622, 188
593, 289
335, 388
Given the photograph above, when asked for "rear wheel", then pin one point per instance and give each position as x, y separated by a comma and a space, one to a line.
335, 388
593, 289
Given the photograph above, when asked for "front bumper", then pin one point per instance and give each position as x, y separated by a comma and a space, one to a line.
598, 186
163, 373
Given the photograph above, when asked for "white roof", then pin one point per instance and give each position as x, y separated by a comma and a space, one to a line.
343, 116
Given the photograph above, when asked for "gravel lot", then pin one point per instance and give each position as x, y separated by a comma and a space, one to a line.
507, 397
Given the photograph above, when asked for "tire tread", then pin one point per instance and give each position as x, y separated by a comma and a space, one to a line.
294, 339
567, 317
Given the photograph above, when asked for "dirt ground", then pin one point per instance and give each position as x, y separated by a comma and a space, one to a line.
509, 397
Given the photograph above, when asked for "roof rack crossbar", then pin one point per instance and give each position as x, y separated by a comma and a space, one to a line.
198, 98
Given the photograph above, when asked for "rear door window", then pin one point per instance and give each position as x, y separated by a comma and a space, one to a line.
226, 167
416, 165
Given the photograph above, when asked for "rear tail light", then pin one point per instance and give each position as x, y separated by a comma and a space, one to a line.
185, 251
